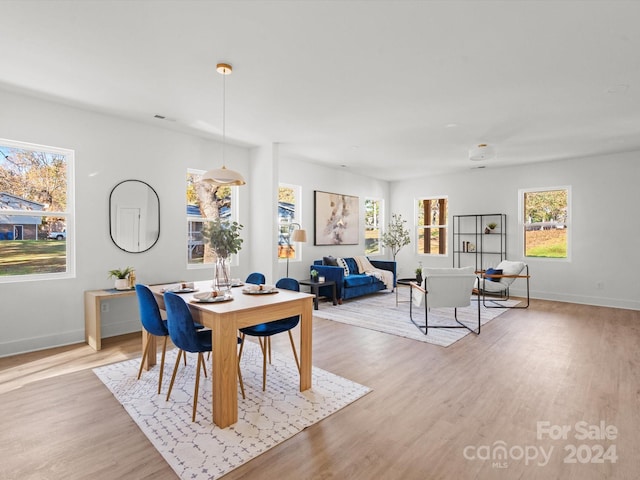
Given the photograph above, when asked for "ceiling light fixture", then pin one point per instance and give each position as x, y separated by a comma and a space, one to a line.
223, 176
482, 152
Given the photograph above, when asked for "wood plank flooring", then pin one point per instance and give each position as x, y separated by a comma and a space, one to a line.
555, 362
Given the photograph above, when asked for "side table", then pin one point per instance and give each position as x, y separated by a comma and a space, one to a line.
315, 289
403, 281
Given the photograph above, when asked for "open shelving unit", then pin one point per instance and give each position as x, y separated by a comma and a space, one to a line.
475, 245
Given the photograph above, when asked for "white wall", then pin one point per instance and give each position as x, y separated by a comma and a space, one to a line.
604, 224
108, 150
313, 177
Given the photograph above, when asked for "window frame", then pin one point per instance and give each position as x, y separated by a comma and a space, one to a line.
522, 223
68, 214
380, 216
444, 227
233, 217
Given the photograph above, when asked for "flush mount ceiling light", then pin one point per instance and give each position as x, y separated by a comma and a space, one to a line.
482, 152
223, 176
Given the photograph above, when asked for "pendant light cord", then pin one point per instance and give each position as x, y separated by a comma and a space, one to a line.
224, 115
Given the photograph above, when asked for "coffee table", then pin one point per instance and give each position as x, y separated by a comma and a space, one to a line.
315, 289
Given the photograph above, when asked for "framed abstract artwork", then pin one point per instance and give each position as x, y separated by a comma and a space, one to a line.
336, 219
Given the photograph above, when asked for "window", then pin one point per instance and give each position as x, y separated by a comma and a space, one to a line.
36, 205
372, 223
432, 226
545, 220
288, 214
206, 202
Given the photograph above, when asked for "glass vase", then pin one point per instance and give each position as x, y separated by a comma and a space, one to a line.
222, 277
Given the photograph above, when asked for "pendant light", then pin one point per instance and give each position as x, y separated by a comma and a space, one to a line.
223, 176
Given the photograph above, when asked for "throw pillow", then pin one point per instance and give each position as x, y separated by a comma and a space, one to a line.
343, 264
493, 271
331, 261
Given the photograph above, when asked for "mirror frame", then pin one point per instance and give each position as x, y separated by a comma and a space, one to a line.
111, 213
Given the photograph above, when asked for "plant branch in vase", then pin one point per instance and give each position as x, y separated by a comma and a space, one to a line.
224, 238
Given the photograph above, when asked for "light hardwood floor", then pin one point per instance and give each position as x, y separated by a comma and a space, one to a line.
555, 362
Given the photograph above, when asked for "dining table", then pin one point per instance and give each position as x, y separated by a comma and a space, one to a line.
225, 318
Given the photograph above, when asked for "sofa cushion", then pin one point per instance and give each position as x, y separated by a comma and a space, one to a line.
342, 263
353, 266
493, 271
331, 261
358, 280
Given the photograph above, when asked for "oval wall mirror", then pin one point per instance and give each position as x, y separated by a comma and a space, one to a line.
134, 216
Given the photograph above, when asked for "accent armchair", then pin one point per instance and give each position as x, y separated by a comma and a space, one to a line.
495, 283
444, 287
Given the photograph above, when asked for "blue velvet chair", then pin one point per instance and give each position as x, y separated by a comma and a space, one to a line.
265, 331
188, 338
256, 278
153, 324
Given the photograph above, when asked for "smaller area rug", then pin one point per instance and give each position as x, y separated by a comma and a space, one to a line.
379, 312
200, 450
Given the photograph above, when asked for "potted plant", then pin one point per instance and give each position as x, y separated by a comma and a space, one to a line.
314, 275
396, 235
122, 277
224, 238
490, 227
419, 273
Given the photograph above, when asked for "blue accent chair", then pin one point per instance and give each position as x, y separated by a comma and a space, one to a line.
153, 324
265, 331
188, 338
256, 278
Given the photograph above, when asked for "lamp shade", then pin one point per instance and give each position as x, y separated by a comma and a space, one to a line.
223, 176
299, 235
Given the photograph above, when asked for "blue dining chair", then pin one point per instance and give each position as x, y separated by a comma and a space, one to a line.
256, 278
265, 331
153, 324
188, 338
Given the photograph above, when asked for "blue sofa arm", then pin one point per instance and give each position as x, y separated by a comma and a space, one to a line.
329, 273
389, 265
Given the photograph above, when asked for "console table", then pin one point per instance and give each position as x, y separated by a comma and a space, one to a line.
315, 289
92, 312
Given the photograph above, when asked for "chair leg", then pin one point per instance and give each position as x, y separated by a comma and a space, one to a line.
175, 369
269, 348
293, 346
164, 351
240, 379
241, 346
264, 365
144, 354
197, 387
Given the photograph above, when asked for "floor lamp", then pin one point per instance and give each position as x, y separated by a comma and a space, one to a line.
295, 235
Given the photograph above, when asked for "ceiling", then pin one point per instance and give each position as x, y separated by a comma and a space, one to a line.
388, 89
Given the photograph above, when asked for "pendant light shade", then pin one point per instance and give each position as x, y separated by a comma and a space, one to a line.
222, 175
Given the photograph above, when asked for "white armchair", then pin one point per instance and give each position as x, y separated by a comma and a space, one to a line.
444, 287
495, 283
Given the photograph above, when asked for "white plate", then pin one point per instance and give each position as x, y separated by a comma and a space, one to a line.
259, 292
212, 299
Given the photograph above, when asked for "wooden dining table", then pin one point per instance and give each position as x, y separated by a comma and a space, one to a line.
225, 319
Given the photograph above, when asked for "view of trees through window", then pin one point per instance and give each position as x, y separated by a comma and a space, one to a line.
205, 202
372, 226
432, 226
546, 214
35, 210
287, 214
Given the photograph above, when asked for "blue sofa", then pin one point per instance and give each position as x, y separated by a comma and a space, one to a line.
355, 284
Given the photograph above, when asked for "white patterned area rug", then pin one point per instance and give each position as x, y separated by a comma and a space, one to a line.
200, 450
379, 312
